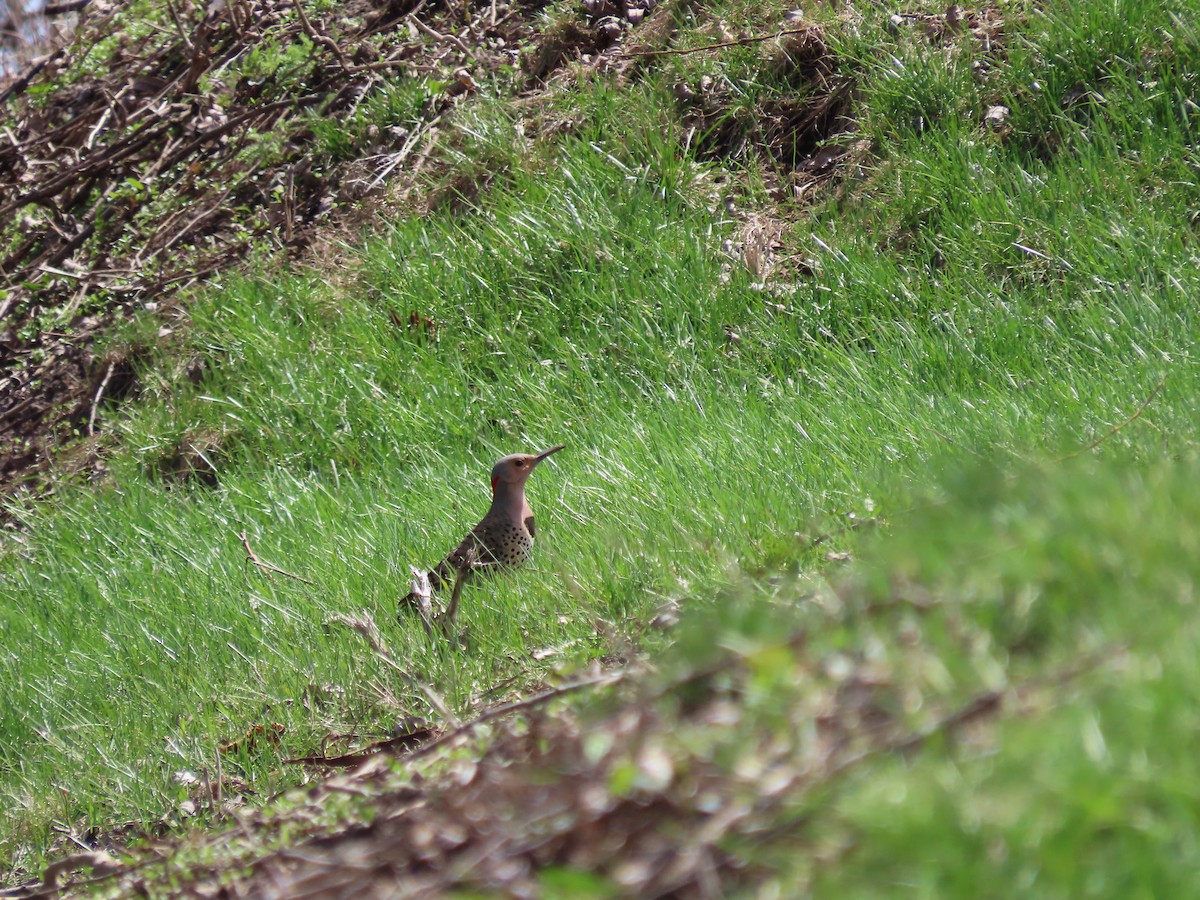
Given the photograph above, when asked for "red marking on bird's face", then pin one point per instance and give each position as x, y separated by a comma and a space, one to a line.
494, 480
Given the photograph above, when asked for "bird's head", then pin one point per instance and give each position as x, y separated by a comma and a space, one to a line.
514, 469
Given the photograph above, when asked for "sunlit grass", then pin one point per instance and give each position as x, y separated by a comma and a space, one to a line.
974, 296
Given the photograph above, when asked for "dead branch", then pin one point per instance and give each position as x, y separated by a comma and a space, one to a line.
267, 567
463, 572
322, 40
421, 597
442, 38
1119, 426
91, 428
740, 42
102, 162
183, 35
406, 150
216, 796
517, 706
19, 86
70, 6
405, 741
982, 705
447, 619
990, 702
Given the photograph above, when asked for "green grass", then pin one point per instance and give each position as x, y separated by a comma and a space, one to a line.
1011, 296
1072, 591
1068, 591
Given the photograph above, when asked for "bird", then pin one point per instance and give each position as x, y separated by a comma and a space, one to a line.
503, 539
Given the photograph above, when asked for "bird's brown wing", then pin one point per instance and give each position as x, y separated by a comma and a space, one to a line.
473, 554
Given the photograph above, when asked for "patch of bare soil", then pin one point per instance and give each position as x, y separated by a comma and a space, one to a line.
796, 129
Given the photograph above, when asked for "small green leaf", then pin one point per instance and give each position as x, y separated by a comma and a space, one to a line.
622, 778
561, 881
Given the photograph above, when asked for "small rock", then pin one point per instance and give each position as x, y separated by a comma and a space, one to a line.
610, 27
996, 115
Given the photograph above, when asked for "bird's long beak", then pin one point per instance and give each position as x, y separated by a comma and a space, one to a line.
537, 459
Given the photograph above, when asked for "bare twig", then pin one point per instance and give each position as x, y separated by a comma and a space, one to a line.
19, 85
70, 6
740, 42
949, 440
1119, 426
20, 407
406, 150
394, 63
438, 36
528, 703
145, 133
421, 597
216, 798
323, 40
230, 124
989, 702
267, 567
98, 861
96, 399
183, 35
980, 705
90, 143
346, 760
469, 562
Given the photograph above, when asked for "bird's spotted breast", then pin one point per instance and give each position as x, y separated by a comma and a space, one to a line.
503, 538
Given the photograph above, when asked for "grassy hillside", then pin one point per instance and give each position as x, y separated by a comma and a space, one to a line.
911, 291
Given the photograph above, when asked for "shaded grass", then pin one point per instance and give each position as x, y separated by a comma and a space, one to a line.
1084, 791
973, 297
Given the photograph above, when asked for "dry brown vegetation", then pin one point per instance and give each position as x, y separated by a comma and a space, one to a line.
135, 166
688, 786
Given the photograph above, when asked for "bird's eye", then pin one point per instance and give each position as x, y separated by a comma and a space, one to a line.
520, 463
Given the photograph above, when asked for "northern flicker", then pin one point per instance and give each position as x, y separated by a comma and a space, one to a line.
503, 539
